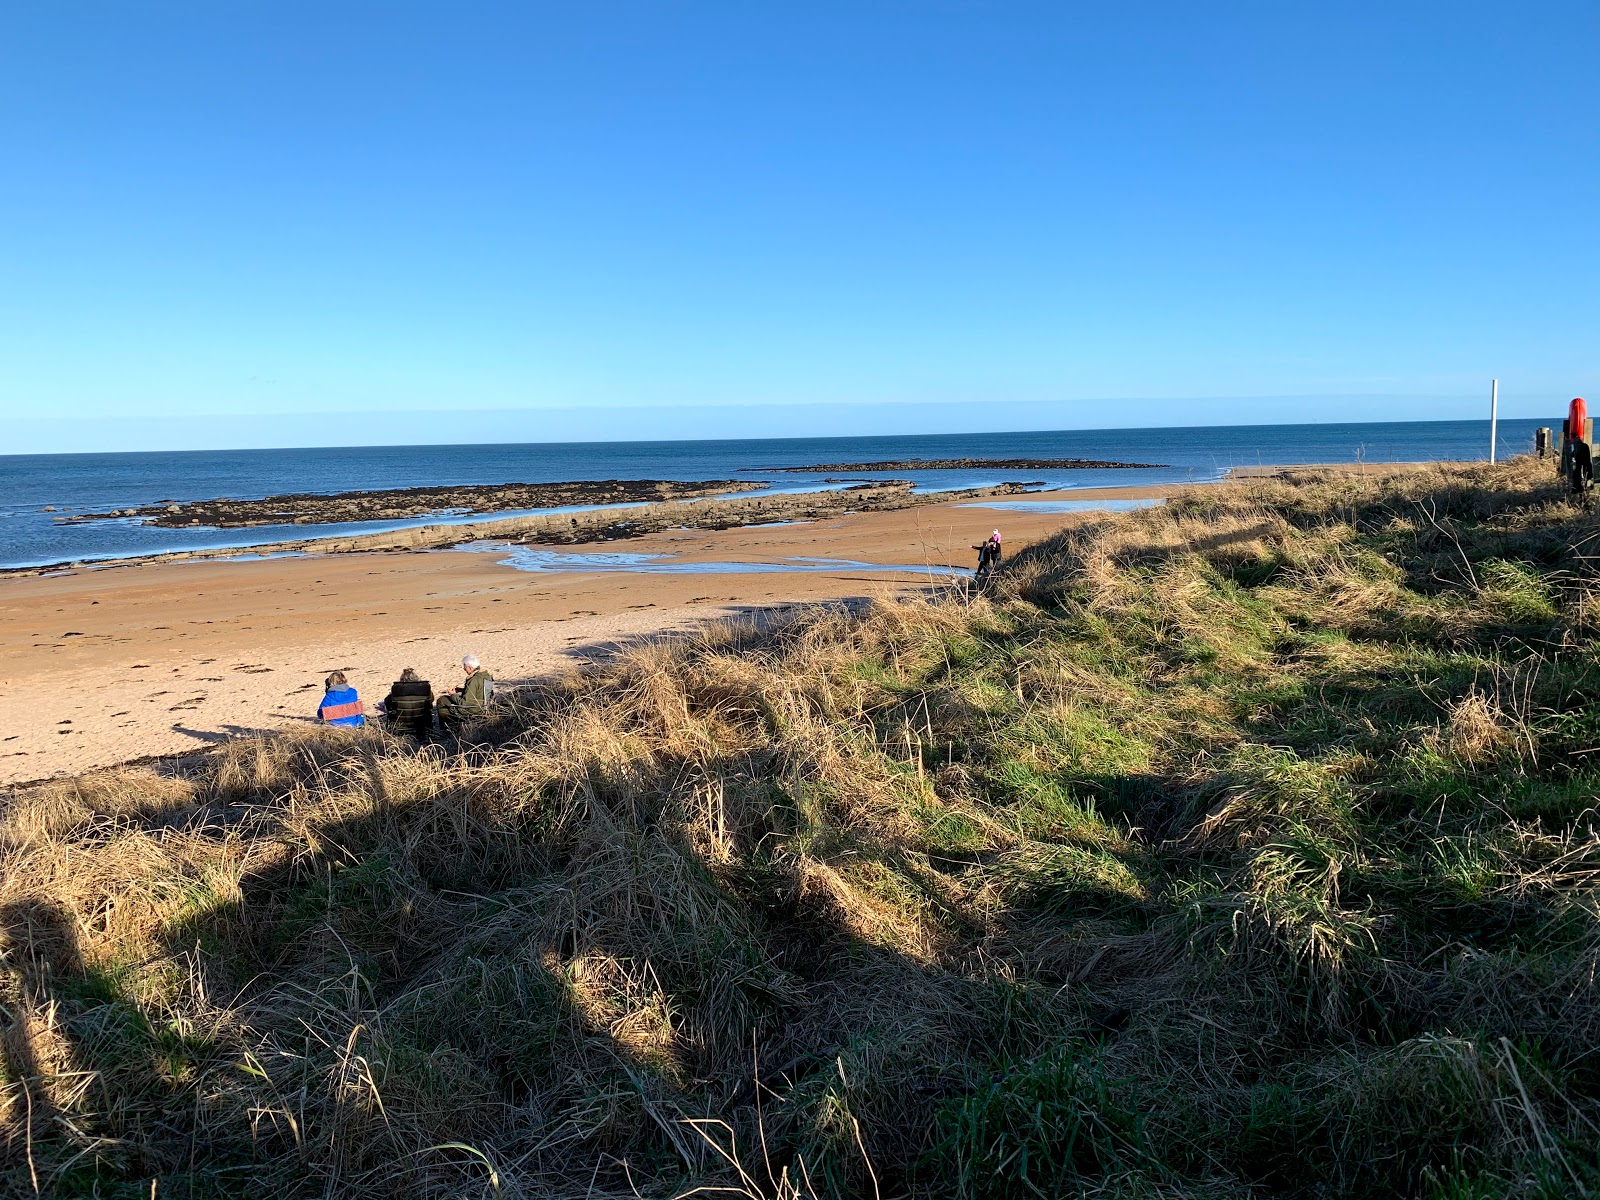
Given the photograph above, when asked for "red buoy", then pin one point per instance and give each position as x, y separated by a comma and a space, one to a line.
1577, 419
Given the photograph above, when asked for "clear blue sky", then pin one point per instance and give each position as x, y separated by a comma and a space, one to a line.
697, 216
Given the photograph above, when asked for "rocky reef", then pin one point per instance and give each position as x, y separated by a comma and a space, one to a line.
395, 504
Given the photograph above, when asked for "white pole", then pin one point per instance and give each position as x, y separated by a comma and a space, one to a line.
1494, 414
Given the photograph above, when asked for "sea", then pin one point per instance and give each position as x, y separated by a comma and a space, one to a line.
37, 490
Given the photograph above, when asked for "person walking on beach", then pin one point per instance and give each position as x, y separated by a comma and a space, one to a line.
471, 699
340, 705
408, 708
988, 554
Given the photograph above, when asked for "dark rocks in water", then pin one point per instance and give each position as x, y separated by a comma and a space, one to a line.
309, 508
967, 464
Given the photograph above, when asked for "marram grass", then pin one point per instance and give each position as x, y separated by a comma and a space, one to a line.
1243, 847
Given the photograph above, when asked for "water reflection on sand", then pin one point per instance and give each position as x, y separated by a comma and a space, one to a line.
1068, 506
526, 558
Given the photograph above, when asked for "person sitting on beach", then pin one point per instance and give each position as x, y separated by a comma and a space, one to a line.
471, 699
408, 708
341, 705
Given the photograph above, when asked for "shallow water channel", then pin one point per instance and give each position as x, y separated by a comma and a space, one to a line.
1067, 506
526, 558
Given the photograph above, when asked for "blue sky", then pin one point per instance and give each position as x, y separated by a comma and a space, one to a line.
706, 218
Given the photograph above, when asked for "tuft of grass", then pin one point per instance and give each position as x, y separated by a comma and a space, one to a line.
1044, 1126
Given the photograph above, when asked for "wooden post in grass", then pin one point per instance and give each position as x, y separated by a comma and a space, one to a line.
1494, 415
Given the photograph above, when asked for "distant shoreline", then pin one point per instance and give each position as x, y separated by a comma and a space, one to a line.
633, 519
607, 523
56, 509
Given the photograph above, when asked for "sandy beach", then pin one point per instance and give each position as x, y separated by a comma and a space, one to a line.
99, 667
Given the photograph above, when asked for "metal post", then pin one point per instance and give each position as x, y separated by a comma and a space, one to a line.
1494, 414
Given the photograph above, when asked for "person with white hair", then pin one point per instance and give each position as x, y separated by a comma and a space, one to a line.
471, 699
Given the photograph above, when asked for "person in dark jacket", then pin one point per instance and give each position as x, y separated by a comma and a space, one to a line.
988, 553
469, 700
1582, 467
340, 705
408, 708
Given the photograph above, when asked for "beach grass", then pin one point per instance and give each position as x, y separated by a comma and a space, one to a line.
1239, 847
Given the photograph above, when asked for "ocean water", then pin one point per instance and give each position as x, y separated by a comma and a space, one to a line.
75, 483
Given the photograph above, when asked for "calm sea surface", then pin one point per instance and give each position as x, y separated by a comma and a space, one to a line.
75, 483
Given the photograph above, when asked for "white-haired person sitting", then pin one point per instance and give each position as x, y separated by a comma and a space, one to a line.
469, 700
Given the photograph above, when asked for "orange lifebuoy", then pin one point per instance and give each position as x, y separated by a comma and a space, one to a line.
1577, 418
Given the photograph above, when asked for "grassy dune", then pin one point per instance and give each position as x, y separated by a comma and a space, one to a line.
1242, 847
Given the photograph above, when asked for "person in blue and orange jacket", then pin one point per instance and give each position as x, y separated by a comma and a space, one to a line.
341, 706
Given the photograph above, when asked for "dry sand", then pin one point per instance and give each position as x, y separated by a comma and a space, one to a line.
99, 667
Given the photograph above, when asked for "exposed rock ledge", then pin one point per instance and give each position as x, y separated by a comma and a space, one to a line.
396, 504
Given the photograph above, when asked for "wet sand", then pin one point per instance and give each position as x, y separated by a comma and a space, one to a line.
99, 667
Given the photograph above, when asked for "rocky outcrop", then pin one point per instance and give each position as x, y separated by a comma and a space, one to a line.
398, 504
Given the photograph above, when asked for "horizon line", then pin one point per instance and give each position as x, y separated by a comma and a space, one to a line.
467, 445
